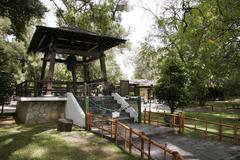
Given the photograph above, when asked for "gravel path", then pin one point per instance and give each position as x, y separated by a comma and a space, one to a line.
190, 148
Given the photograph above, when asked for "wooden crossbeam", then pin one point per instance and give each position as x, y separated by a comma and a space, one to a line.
78, 62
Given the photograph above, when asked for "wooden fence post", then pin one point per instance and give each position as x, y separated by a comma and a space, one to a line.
90, 122
139, 110
174, 120
86, 111
111, 128
206, 126
235, 138
165, 152
144, 116
149, 148
220, 131
176, 156
130, 141
125, 139
142, 145
116, 130
102, 119
183, 123
180, 117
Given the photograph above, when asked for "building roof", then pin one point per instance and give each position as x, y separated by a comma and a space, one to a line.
142, 82
71, 41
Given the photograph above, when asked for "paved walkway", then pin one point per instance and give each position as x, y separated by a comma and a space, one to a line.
190, 148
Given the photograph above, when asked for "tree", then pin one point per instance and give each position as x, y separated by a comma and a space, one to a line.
21, 13
150, 59
171, 87
204, 36
7, 87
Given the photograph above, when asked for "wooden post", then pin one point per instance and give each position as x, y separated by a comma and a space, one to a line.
104, 71
149, 148
86, 111
116, 131
142, 146
220, 131
44, 64
125, 138
235, 137
86, 76
183, 123
144, 116
102, 119
51, 68
165, 152
112, 128
130, 141
176, 156
174, 120
2, 108
139, 110
91, 122
206, 126
180, 122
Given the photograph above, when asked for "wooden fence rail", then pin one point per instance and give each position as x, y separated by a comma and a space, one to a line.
181, 122
119, 131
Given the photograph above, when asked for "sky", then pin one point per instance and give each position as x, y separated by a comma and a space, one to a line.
138, 21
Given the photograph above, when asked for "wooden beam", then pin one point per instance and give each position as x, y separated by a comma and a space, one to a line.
78, 62
44, 64
92, 53
52, 53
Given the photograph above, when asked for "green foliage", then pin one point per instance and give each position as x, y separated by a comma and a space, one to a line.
21, 13
7, 86
149, 58
171, 86
204, 36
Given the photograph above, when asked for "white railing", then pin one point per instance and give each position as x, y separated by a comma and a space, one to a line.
125, 106
74, 111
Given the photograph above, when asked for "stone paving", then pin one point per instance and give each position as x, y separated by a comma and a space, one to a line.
190, 148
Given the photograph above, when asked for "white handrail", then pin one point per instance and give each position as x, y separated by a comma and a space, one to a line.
125, 106
74, 111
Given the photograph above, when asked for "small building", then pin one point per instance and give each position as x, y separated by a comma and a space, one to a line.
137, 87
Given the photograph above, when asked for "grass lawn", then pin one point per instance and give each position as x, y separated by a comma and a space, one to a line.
43, 142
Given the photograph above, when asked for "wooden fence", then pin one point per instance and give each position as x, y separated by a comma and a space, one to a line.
181, 122
122, 134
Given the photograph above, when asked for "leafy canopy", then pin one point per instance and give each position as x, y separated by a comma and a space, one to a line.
171, 86
21, 13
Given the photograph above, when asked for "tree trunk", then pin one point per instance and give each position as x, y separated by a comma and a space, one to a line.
172, 107
2, 108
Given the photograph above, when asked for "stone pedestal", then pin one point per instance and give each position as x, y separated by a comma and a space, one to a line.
36, 111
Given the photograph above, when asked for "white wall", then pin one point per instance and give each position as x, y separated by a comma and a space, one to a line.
126, 106
74, 111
